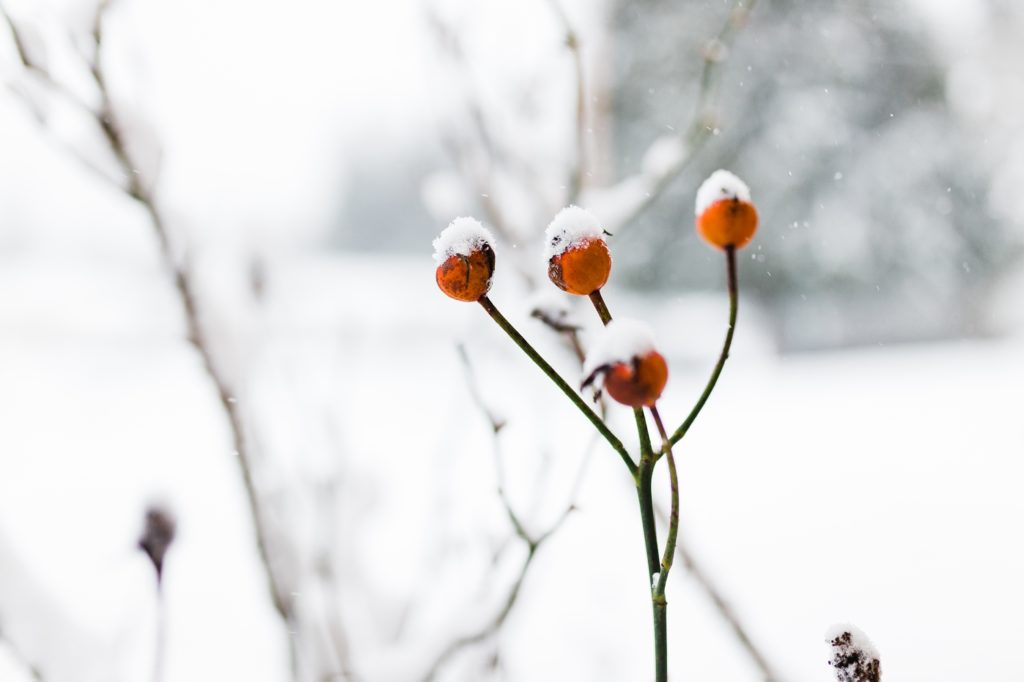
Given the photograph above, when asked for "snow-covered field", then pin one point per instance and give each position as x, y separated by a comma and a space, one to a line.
877, 486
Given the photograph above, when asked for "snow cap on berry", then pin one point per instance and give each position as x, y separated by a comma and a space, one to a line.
571, 227
462, 237
720, 185
620, 342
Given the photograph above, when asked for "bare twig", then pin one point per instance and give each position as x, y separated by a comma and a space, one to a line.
29, 668
559, 324
579, 166
702, 124
157, 537
533, 542
135, 186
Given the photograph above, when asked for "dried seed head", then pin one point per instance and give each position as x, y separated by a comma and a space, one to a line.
725, 215
464, 252
623, 360
579, 261
854, 657
157, 536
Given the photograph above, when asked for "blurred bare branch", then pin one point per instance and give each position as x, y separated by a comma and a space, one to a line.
632, 196
139, 188
30, 669
572, 42
533, 542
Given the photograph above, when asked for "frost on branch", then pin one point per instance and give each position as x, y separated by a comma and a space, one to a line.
720, 185
854, 657
461, 238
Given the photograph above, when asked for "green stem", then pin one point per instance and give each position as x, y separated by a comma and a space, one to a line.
660, 604
641, 421
602, 428
730, 259
646, 499
646, 469
601, 307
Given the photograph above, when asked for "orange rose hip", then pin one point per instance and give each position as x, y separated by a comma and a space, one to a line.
579, 261
725, 215
624, 361
638, 383
465, 255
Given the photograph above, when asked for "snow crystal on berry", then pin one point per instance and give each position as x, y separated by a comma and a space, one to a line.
573, 225
461, 238
720, 185
621, 341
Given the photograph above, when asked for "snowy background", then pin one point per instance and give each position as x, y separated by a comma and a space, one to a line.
861, 459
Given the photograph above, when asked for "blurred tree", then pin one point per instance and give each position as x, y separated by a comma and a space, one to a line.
873, 192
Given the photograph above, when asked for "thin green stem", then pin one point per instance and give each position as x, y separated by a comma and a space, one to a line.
645, 471
730, 259
658, 591
578, 401
673, 515
643, 491
641, 421
601, 307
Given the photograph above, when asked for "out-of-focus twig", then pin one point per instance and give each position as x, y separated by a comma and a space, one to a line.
532, 541
578, 168
707, 585
570, 331
137, 187
644, 190
476, 153
29, 668
158, 534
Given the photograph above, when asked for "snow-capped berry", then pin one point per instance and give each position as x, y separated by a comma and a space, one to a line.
578, 257
623, 359
464, 252
725, 215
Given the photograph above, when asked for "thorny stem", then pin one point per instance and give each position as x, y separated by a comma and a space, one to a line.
548, 370
730, 259
107, 120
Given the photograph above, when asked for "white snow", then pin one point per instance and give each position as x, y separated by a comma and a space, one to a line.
621, 341
858, 640
570, 227
664, 154
720, 185
461, 237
